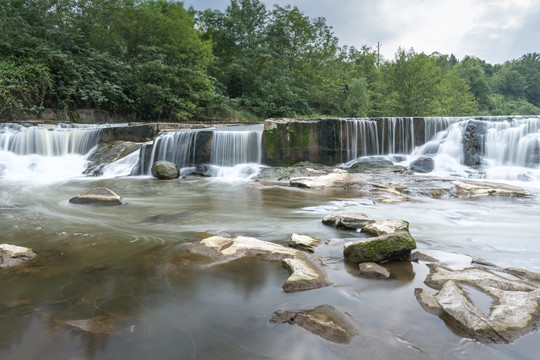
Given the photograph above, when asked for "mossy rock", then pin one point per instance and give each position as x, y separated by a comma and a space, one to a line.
397, 245
165, 170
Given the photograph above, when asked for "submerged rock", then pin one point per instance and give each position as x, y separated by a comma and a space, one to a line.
325, 321
397, 245
514, 312
11, 255
165, 170
305, 273
373, 270
303, 242
348, 221
385, 227
98, 196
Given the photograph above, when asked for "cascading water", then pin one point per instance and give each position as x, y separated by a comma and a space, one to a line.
233, 151
505, 148
39, 140
38, 153
359, 138
178, 147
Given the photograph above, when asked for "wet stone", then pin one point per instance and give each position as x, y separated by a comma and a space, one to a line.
165, 170
305, 274
515, 310
349, 221
11, 255
325, 321
373, 270
397, 245
303, 242
98, 196
385, 227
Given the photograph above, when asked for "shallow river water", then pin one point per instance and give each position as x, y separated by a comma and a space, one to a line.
129, 268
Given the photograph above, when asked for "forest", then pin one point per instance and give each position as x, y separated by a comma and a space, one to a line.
160, 61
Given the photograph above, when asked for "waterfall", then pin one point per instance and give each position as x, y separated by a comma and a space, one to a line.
178, 147
43, 154
497, 147
40, 140
359, 137
234, 147
224, 147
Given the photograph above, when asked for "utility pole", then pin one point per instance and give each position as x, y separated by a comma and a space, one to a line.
378, 53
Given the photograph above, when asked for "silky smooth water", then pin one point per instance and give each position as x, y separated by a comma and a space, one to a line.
129, 267
130, 270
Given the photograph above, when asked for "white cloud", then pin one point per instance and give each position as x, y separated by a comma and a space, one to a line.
494, 30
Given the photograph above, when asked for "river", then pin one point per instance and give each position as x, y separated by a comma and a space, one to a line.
129, 267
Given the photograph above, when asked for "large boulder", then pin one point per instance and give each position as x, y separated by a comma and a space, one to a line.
98, 196
11, 255
165, 170
514, 312
396, 245
347, 221
325, 321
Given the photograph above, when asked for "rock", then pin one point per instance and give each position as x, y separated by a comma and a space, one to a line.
477, 188
418, 256
338, 178
424, 164
305, 274
98, 196
11, 255
473, 142
165, 170
385, 227
515, 310
286, 173
372, 270
397, 245
324, 321
348, 221
524, 274
303, 242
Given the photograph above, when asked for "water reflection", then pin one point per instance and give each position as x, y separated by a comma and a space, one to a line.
126, 273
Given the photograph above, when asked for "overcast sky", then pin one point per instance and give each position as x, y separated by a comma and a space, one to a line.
493, 30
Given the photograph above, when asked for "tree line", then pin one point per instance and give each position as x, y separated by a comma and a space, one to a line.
158, 60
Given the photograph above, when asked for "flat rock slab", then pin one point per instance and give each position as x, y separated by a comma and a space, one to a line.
338, 178
305, 274
477, 188
98, 196
325, 321
385, 227
303, 242
397, 245
11, 255
515, 310
373, 270
348, 221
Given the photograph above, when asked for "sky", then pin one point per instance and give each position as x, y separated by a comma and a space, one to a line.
493, 30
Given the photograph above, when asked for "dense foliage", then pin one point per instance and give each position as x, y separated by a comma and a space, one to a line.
158, 60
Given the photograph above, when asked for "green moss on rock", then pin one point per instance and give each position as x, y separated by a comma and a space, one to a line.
381, 248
